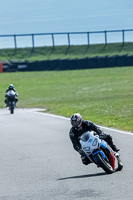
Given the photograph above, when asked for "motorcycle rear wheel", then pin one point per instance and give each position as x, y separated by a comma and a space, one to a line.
104, 164
120, 165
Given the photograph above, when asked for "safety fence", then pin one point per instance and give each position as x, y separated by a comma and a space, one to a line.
50, 39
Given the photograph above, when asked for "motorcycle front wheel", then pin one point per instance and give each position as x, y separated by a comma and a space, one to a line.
103, 164
12, 108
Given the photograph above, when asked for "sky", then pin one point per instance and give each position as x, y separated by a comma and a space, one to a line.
50, 16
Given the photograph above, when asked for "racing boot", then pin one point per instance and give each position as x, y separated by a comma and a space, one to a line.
7, 105
85, 160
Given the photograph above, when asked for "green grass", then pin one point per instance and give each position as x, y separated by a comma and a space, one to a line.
104, 96
65, 52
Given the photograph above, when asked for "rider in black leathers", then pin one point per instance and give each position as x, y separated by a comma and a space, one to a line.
79, 127
11, 87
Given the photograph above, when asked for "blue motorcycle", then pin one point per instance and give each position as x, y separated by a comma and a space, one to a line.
100, 153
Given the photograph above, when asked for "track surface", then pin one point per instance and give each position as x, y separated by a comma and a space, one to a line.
37, 162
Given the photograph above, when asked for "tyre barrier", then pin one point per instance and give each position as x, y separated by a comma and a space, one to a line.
69, 64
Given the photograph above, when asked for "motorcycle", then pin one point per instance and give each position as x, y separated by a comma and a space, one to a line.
100, 153
11, 100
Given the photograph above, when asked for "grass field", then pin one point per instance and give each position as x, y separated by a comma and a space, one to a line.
65, 52
104, 96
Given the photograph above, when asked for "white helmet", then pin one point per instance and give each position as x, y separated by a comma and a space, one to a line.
10, 87
76, 120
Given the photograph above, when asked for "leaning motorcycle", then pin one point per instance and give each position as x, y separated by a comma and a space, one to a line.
100, 153
11, 100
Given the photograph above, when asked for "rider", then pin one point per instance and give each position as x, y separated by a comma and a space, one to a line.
79, 127
11, 87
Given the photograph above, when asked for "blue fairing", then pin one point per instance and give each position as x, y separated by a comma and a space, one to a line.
102, 154
103, 144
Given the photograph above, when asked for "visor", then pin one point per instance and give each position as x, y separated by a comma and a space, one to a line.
76, 124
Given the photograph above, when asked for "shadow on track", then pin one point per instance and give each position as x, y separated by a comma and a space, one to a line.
83, 176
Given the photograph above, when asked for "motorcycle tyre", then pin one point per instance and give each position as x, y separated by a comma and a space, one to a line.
120, 165
103, 164
12, 108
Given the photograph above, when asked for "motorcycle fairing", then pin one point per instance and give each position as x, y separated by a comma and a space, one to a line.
103, 144
102, 154
112, 159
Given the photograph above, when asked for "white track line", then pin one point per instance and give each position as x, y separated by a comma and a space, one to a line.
60, 117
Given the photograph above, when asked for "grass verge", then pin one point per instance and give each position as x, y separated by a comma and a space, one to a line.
65, 52
104, 96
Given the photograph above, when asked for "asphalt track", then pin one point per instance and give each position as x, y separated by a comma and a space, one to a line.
37, 162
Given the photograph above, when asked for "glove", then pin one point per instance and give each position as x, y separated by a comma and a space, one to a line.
102, 136
81, 152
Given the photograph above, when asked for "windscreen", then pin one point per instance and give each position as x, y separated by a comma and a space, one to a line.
85, 137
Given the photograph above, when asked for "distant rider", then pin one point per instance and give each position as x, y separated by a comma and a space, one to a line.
11, 87
79, 127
